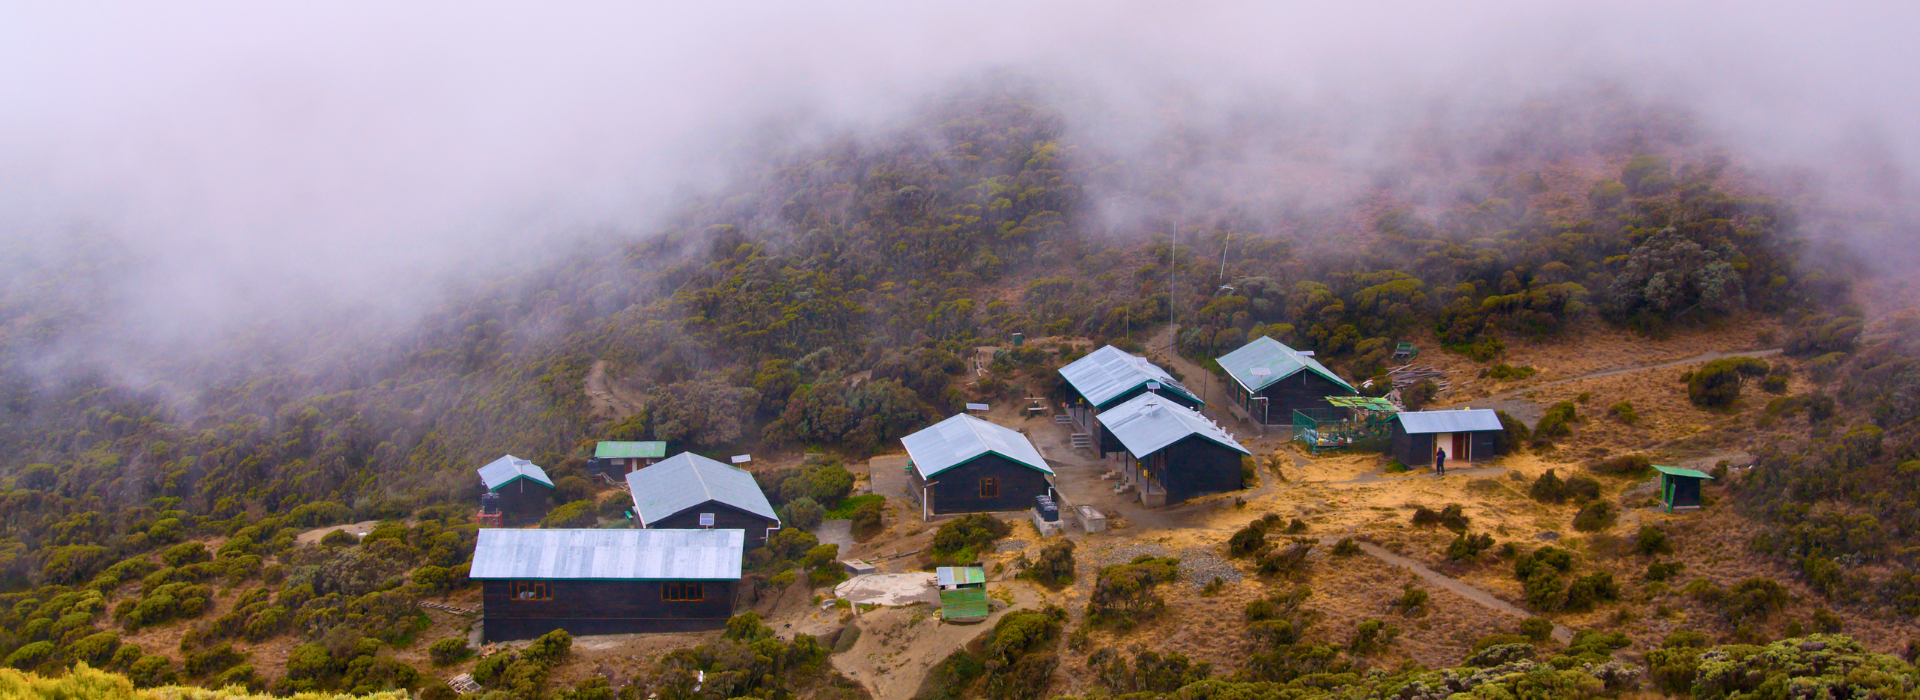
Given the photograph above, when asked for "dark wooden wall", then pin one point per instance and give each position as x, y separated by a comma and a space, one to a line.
957, 490
524, 500
725, 517
1414, 451
1304, 389
1196, 466
1417, 450
601, 607
1686, 492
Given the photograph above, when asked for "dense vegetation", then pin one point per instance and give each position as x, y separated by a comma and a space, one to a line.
828, 297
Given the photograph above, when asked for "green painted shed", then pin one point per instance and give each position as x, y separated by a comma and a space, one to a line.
1680, 488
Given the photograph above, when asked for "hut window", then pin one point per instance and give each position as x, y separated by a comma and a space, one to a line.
683, 591
529, 590
990, 488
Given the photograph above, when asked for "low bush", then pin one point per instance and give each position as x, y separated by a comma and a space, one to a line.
1596, 516
962, 540
1252, 539
1556, 423
447, 651
1291, 560
1625, 465
1372, 636
1590, 590
1346, 547
1538, 629
1465, 546
1582, 488
1124, 596
1623, 412
869, 517
1651, 540
1549, 488
1453, 517
1412, 600
1664, 570
803, 512
1054, 566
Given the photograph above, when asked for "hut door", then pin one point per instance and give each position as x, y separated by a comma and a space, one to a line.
1462, 447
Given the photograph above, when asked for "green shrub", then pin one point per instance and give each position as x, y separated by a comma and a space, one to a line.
1453, 517
1596, 516
803, 512
1582, 488
1717, 384
1123, 595
31, 655
1467, 546
151, 670
1623, 412
1652, 540
571, 515
1508, 373
868, 517
1589, 590
339, 538
1548, 488
449, 651
1346, 547
963, 539
1411, 600
1633, 464
1774, 384
1372, 636
1289, 561
1538, 629
1251, 539
186, 553
1664, 570
1515, 432
1556, 423
1054, 566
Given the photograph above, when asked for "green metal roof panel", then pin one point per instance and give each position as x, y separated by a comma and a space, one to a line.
630, 450
956, 575
1677, 471
1371, 403
964, 603
1277, 359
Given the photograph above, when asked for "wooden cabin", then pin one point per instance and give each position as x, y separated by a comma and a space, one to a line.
689, 492
1468, 435
1273, 380
1169, 452
1680, 488
967, 465
525, 492
617, 459
1110, 376
594, 581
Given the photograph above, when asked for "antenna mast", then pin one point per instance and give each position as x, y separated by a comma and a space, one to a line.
1173, 259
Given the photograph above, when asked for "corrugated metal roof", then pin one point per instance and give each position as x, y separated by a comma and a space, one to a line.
620, 555
628, 450
504, 470
1457, 421
1277, 359
953, 441
1146, 423
1679, 471
956, 575
964, 604
687, 480
1104, 374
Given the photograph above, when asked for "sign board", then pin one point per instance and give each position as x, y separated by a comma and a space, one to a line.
1153, 386
976, 407
742, 459
706, 520
1259, 371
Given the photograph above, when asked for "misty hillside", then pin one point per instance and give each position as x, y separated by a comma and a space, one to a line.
829, 296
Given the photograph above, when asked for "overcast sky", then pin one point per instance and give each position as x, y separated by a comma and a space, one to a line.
344, 150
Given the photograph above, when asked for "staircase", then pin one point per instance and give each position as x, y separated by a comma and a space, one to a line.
1083, 441
1062, 419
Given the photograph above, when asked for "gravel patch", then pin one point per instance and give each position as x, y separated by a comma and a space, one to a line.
1198, 565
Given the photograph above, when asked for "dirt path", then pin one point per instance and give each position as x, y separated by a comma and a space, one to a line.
604, 398
1458, 587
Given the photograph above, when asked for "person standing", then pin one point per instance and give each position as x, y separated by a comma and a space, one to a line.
1440, 462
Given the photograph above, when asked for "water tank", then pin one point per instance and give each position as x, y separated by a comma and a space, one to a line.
490, 503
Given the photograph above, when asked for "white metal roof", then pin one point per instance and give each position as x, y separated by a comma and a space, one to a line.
1264, 361
617, 555
1456, 421
501, 471
956, 440
1104, 374
687, 480
1147, 424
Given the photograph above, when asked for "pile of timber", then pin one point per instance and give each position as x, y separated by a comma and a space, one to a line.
1414, 374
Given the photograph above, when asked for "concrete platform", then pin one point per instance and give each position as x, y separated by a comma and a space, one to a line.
889, 589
